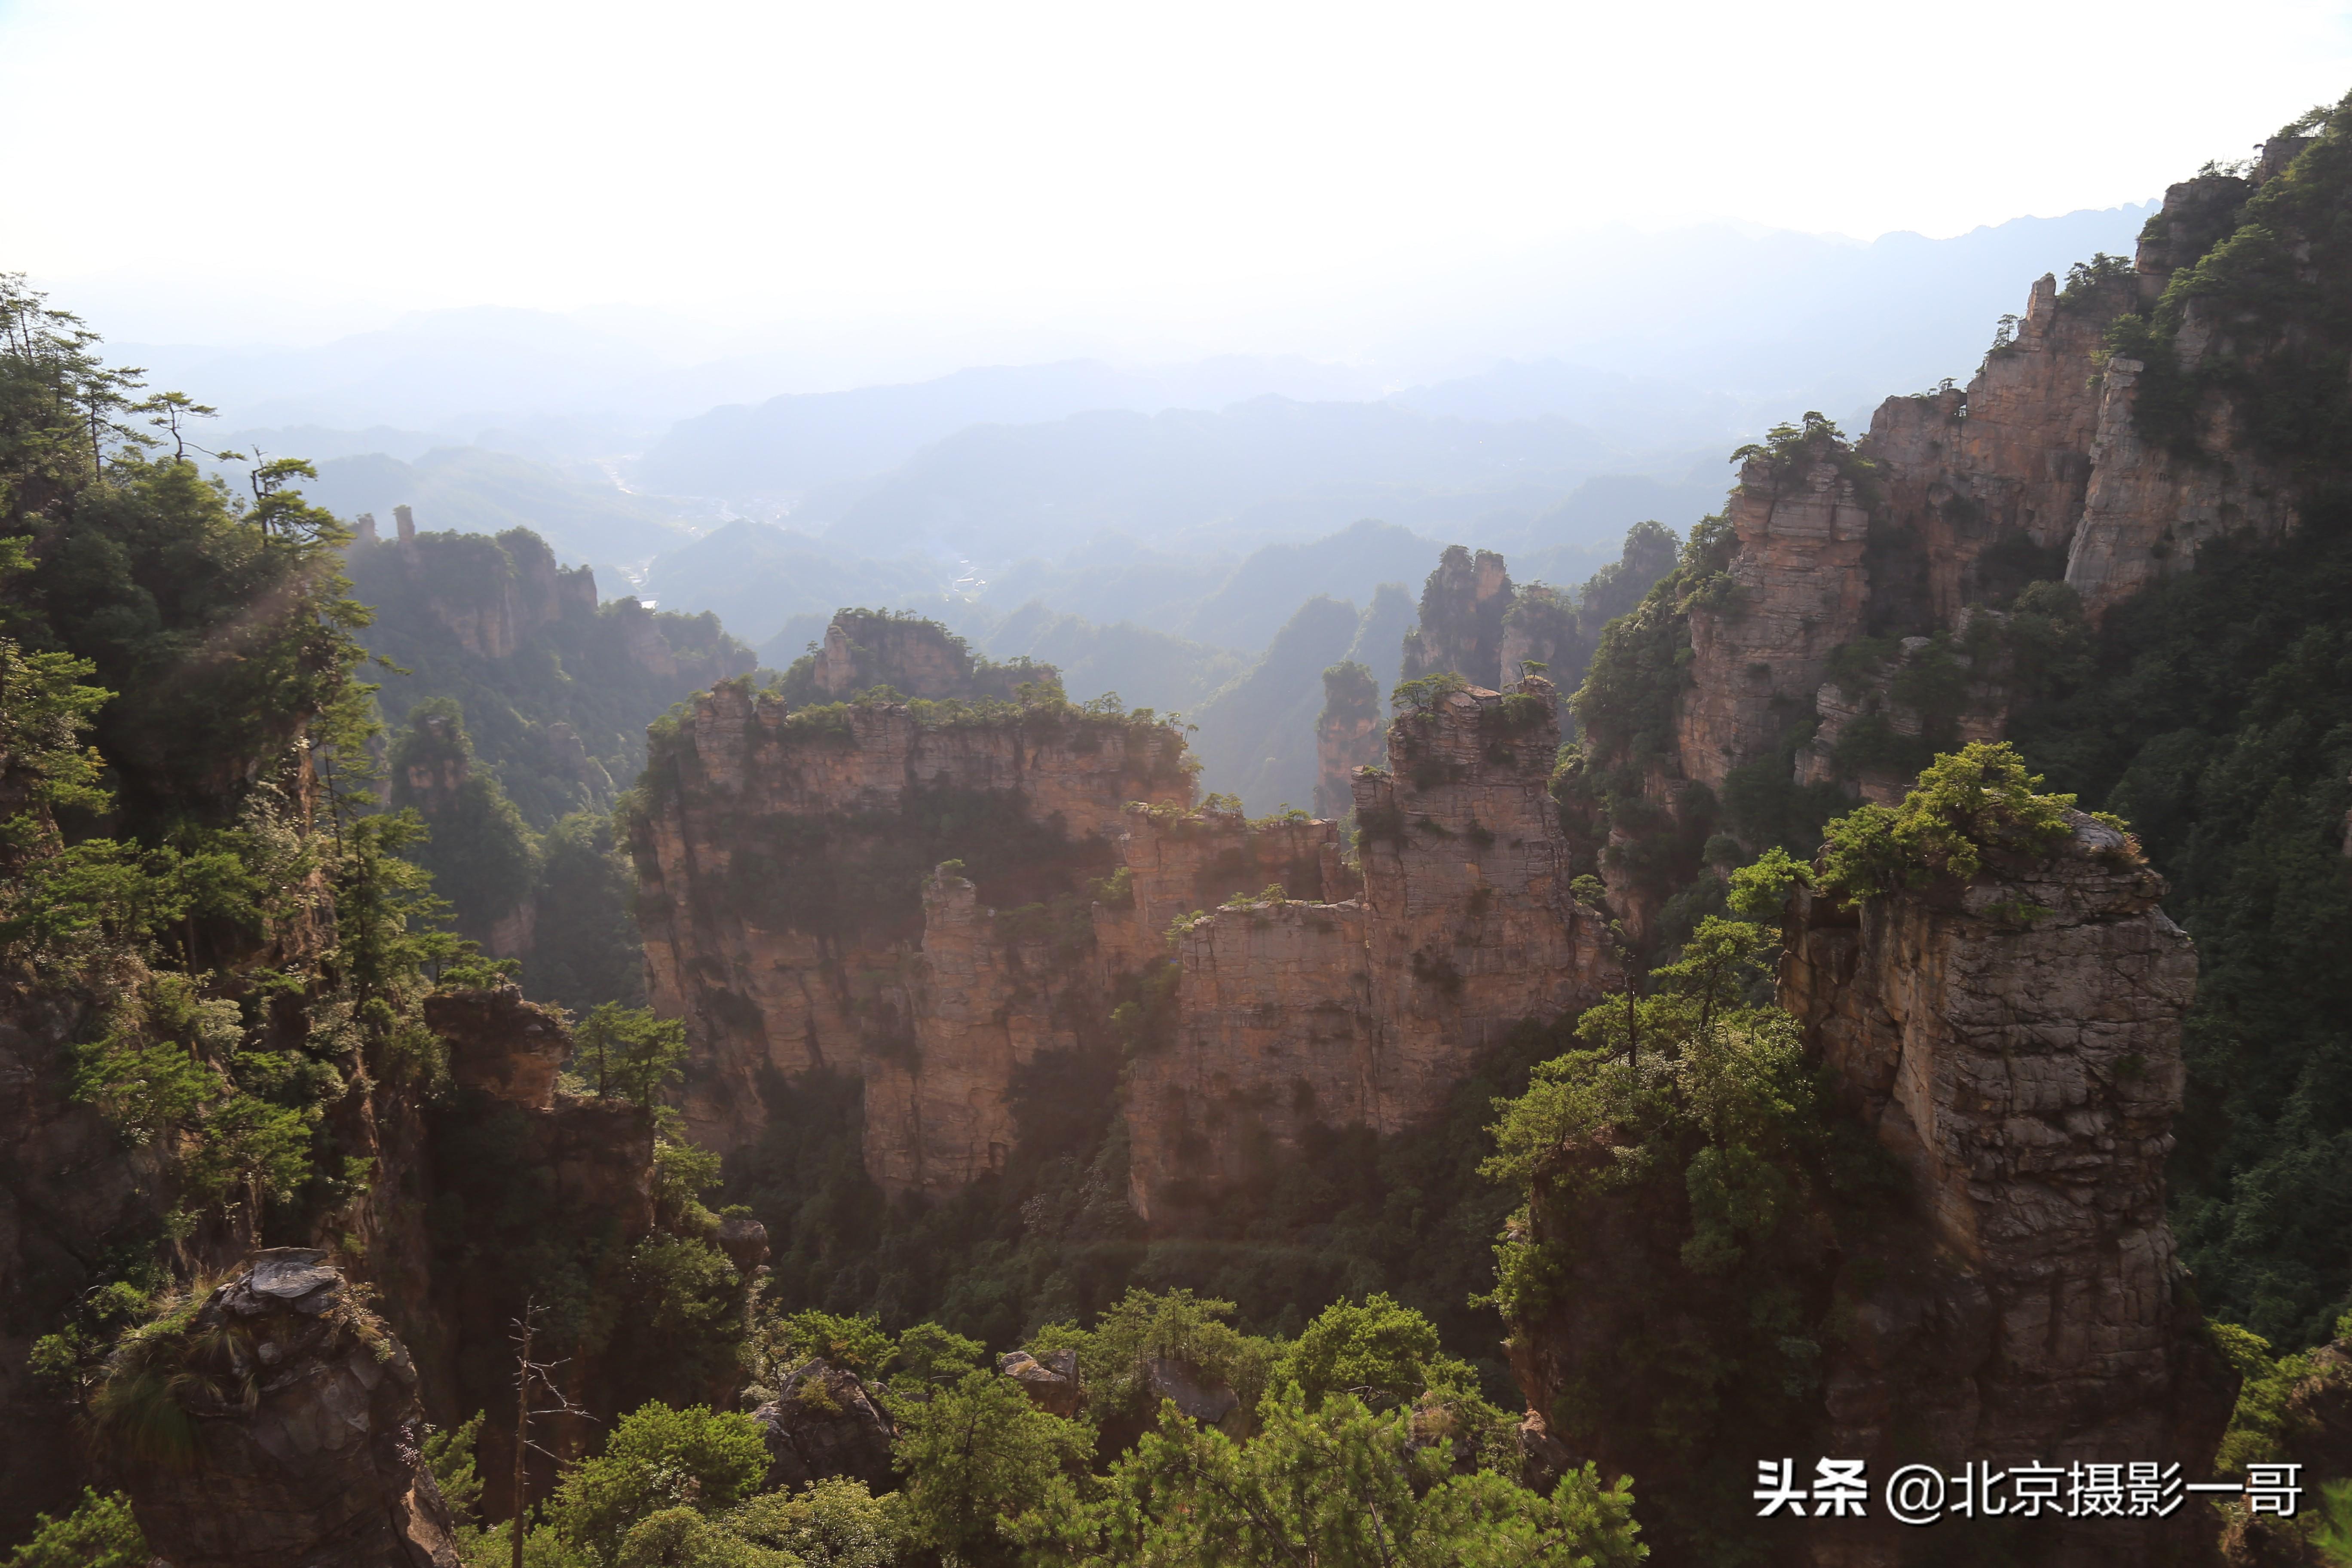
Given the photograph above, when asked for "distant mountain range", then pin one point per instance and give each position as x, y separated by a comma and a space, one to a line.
1197, 534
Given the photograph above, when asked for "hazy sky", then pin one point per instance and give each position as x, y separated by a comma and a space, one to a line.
293, 163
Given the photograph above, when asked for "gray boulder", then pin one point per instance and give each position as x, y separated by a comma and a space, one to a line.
823, 1423
287, 1433
1051, 1381
1205, 1399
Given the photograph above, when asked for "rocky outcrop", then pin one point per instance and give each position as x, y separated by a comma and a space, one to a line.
1472, 927
1197, 1395
1796, 592
1349, 734
489, 596
984, 996
940, 907
1876, 719
792, 913
1294, 1015
1460, 626
913, 657
506, 1048
2149, 509
304, 1434
1175, 861
1051, 1380
2042, 469
508, 1164
2015, 1044
823, 1423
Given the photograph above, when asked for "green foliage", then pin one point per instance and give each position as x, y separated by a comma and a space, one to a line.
830, 1523
857, 1344
1115, 1357
1759, 891
2215, 712
98, 1534
220, 625
1378, 1351
929, 1355
683, 1538
1677, 1172
626, 1053
657, 1458
1349, 693
1815, 439
1625, 709
1338, 1487
232, 1125
2264, 1421
975, 1455
560, 720
1050, 1238
480, 853
1424, 694
448, 1453
2274, 278
1977, 802
584, 949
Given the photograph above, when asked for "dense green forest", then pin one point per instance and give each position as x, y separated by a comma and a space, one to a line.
215, 953
517, 706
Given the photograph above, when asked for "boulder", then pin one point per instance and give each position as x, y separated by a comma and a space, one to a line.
1202, 1398
1051, 1381
825, 1423
744, 1240
303, 1432
500, 1044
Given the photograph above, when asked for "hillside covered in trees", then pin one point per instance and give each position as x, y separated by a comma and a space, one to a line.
493, 1076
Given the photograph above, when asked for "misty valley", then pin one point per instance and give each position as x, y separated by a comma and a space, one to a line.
1722, 940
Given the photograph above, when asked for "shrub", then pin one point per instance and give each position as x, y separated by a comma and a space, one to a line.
657, 1459
1976, 802
100, 1533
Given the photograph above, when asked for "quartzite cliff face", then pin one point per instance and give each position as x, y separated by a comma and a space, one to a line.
794, 915
790, 912
1844, 581
1364, 1012
2016, 1045
2013, 1042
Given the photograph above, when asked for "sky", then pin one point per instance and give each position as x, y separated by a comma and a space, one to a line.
252, 169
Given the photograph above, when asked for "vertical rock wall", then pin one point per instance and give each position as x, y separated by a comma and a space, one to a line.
1365, 1012
804, 959
1955, 499
1796, 592
1337, 1000
1460, 626
2015, 1044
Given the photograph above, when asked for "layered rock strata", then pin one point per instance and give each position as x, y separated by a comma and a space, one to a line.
792, 912
1363, 1012
2040, 470
2015, 1044
1797, 594
941, 909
